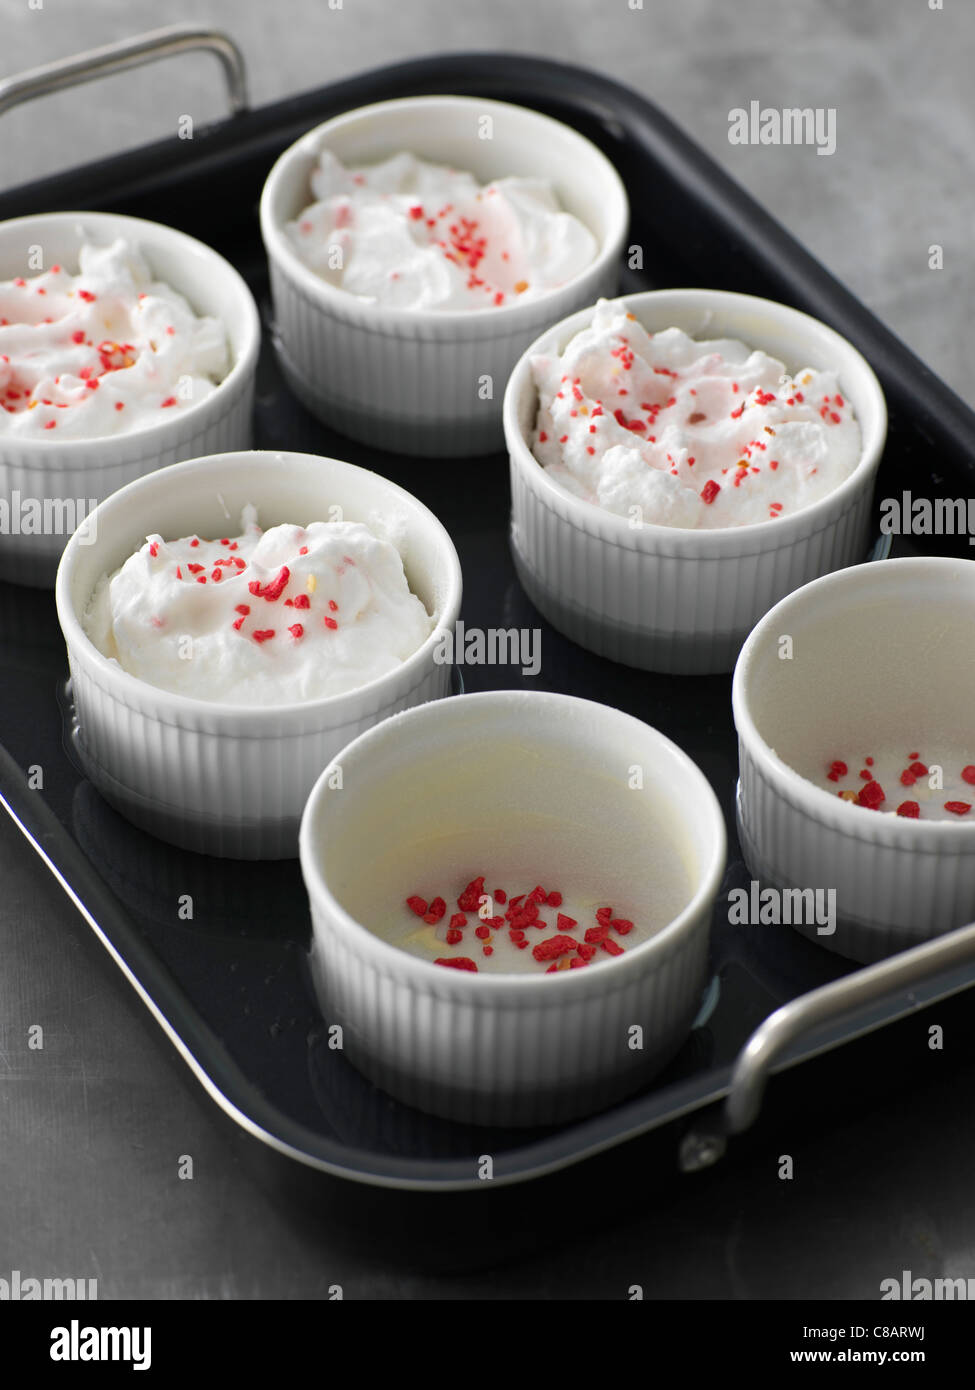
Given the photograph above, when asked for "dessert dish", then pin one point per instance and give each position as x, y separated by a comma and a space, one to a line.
291, 613
692, 434
655, 576
224, 772
843, 744
126, 396
420, 369
408, 234
101, 352
537, 788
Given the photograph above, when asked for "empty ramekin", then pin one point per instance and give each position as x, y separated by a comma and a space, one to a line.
669, 599
852, 664
426, 381
515, 766
228, 779
81, 472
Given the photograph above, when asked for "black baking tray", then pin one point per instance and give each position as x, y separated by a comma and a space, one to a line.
231, 987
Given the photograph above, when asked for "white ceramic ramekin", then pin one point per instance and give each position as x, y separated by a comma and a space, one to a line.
228, 779
663, 598
415, 381
507, 1048
876, 655
78, 473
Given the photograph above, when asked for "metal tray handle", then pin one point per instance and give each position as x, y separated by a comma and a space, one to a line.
130, 53
766, 1051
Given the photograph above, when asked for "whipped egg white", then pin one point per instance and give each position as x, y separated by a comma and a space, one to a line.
289, 614
104, 352
670, 431
412, 235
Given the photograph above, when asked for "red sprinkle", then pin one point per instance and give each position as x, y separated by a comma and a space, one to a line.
296, 630
907, 778
871, 796
910, 809
456, 962
958, 808
418, 905
710, 491
470, 899
274, 588
500, 896
968, 774
553, 947
453, 936
837, 770
170, 400
264, 635
563, 923
919, 769
437, 909
621, 925
613, 947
